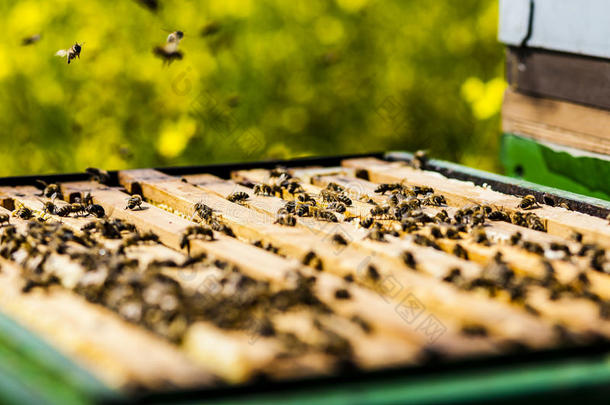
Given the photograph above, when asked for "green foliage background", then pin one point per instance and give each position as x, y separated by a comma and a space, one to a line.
270, 79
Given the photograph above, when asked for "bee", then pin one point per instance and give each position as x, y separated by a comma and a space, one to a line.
480, 236
409, 225
238, 197
373, 273
435, 200
286, 219
78, 208
453, 233
385, 187
379, 211
332, 186
152, 5
498, 215
377, 235
422, 190
528, 202
195, 232
31, 40
99, 175
560, 247
518, 218
436, 232
337, 207
342, 294
71, 53
534, 222
312, 260
515, 238
203, 211
408, 259
420, 159
134, 202
263, 189
306, 199
339, 239
324, 215
565, 206
304, 210
280, 172
63, 211
48, 207
367, 222
422, 240
169, 52
96, 210
459, 251
441, 217
23, 213
362, 174
49, 190
221, 227
4, 219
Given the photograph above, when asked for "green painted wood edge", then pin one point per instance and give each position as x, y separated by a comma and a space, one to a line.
586, 377
32, 371
584, 174
541, 187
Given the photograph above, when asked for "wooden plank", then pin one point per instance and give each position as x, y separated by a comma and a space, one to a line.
162, 188
563, 76
559, 221
558, 122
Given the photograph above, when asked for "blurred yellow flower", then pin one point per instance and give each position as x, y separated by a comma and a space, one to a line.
485, 99
329, 30
174, 137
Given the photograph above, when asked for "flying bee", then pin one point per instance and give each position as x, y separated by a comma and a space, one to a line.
420, 159
4, 219
528, 202
169, 52
99, 175
70, 53
134, 202
238, 197
31, 40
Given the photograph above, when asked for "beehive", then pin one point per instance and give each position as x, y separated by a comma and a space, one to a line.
224, 276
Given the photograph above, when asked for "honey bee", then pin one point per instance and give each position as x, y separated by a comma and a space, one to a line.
31, 40
49, 190
306, 199
312, 260
339, 239
71, 53
78, 208
420, 159
96, 210
385, 187
528, 202
377, 235
99, 175
4, 219
367, 222
498, 216
169, 52
203, 211
63, 211
324, 215
286, 219
23, 213
337, 207
460, 252
263, 189
408, 259
195, 232
238, 197
332, 186
435, 200
134, 202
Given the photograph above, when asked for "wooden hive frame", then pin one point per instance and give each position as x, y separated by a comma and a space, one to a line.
367, 283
